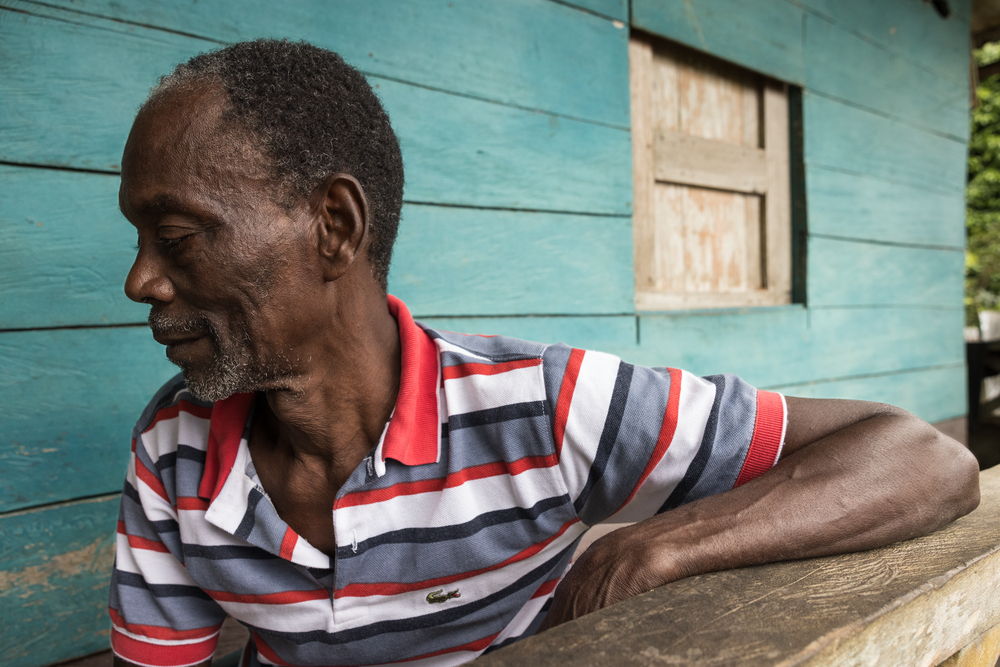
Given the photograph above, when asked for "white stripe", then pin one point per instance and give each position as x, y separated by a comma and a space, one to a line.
525, 615
784, 428
308, 555
445, 346
354, 611
449, 506
185, 429
163, 642
697, 396
483, 392
587, 414
155, 567
228, 508
303, 616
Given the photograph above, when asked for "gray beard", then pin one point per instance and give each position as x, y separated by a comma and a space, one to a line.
232, 368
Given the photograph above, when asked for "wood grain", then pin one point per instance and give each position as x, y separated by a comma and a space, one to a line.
457, 149
918, 34
727, 30
866, 207
912, 603
845, 65
75, 249
55, 565
856, 273
528, 53
843, 137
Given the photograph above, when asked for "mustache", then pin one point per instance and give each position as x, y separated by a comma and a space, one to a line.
168, 325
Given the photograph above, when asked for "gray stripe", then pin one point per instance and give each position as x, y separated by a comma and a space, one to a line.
495, 348
735, 412
637, 437
179, 612
250, 576
491, 544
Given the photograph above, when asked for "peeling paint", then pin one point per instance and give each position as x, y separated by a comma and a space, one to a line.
27, 582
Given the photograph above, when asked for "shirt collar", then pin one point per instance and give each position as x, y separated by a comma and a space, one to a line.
412, 437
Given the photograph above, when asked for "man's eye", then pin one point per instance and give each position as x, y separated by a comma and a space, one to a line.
170, 242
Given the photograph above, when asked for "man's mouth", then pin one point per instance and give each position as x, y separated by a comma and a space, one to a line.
175, 340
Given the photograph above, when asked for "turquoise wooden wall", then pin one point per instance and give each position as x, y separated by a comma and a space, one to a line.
514, 120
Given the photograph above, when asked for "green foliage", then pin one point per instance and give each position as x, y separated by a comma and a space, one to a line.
982, 221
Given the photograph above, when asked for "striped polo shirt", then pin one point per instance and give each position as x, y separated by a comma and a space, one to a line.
451, 535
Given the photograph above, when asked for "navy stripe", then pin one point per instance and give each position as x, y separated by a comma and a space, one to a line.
609, 436
159, 590
130, 492
500, 414
246, 525
426, 621
454, 531
697, 465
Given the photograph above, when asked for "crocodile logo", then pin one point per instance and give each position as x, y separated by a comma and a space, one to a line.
439, 596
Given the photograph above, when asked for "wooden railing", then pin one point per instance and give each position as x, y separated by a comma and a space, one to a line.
931, 600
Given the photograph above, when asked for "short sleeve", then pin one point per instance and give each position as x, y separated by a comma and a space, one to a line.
159, 616
634, 441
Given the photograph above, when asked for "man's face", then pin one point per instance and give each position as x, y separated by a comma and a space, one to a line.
223, 265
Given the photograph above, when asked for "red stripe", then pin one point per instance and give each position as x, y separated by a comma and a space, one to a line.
281, 597
288, 543
159, 654
121, 527
566, 396
151, 480
474, 645
137, 542
462, 370
766, 439
172, 411
158, 632
191, 503
667, 428
546, 588
393, 588
456, 478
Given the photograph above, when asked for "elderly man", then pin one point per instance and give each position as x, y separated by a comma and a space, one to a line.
356, 488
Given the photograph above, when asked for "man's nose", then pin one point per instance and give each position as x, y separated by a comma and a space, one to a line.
146, 281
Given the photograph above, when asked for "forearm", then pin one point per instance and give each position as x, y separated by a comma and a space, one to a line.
884, 479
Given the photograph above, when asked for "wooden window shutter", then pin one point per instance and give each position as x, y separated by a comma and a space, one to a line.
712, 211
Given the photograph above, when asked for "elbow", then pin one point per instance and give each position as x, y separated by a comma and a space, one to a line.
955, 474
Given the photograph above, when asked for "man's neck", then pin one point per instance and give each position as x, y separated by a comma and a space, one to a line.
334, 412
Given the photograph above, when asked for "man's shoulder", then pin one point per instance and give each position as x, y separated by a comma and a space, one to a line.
171, 398
486, 346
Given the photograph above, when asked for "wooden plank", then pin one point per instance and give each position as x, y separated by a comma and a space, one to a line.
457, 150
481, 262
55, 563
847, 66
911, 603
647, 253
523, 52
914, 31
920, 390
857, 273
777, 255
767, 39
69, 224
70, 399
613, 9
453, 261
843, 137
690, 160
865, 207
790, 344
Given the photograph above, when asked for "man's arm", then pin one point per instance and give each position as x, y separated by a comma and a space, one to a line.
853, 475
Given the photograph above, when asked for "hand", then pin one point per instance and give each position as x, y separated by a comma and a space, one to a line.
614, 568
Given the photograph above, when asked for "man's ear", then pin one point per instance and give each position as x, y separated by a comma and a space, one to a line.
342, 220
